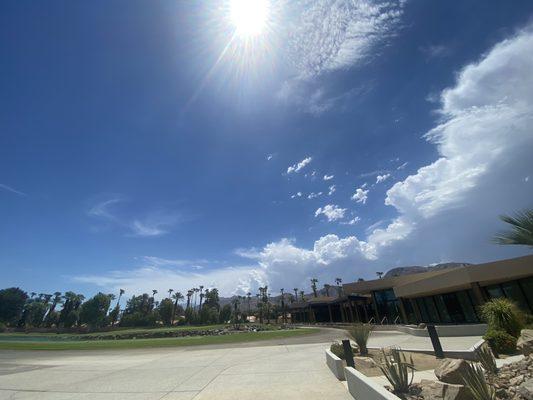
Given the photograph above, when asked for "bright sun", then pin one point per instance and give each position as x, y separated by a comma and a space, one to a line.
249, 16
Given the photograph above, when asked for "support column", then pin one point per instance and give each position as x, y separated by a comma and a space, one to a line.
375, 308
351, 310
479, 297
330, 315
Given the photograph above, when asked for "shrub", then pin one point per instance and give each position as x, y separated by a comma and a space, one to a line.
2, 327
361, 333
474, 380
503, 315
139, 319
486, 359
397, 369
337, 349
500, 341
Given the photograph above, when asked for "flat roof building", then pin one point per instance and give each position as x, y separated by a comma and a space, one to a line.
447, 296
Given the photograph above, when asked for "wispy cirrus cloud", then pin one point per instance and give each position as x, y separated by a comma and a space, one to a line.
11, 190
328, 36
151, 224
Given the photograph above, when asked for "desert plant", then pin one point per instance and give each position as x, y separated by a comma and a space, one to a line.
500, 341
474, 380
337, 349
361, 333
503, 315
397, 369
486, 359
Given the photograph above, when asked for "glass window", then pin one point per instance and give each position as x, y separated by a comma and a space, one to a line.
467, 306
494, 291
422, 308
527, 286
442, 309
513, 292
431, 309
408, 307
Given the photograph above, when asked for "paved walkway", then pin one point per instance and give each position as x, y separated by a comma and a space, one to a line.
269, 372
380, 339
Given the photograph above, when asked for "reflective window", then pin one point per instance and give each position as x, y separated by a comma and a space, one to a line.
527, 286
431, 309
465, 300
444, 309
494, 291
513, 292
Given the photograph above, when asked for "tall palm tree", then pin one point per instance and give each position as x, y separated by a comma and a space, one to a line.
201, 296
249, 296
120, 293
338, 281
189, 294
314, 281
379, 274
295, 293
521, 232
302, 295
170, 293
326, 288
154, 292
177, 297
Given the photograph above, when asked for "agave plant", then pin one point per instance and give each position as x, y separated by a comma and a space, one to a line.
361, 333
397, 370
474, 380
486, 359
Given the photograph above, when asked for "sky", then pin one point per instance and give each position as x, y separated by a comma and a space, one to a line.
154, 145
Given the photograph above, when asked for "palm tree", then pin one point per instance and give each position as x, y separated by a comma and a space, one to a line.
302, 295
154, 292
189, 294
170, 293
284, 316
338, 281
314, 281
249, 296
379, 274
201, 295
120, 293
295, 293
177, 297
521, 232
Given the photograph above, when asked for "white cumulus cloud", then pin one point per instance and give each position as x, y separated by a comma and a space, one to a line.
295, 168
331, 211
360, 195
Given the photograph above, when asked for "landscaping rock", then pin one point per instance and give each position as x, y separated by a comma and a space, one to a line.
449, 370
443, 391
525, 342
526, 389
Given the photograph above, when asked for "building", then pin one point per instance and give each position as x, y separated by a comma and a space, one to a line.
449, 296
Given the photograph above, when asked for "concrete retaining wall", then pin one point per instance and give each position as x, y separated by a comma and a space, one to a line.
336, 365
363, 388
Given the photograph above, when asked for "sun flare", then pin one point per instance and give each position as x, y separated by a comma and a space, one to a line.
249, 16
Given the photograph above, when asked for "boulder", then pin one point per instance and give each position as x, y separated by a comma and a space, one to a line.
525, 342
526, 389
443, 391
450, 370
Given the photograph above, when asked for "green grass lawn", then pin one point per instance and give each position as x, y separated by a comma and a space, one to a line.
146, 343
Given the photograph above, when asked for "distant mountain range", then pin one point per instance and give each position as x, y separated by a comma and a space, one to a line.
415, 269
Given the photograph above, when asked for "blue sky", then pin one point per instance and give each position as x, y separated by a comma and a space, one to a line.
147, 145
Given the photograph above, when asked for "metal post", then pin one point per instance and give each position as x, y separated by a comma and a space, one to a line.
434, 336
348, 354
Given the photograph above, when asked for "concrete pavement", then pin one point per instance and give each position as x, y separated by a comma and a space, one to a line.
260, 372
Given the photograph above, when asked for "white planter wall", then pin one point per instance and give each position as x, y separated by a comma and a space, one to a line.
362, 387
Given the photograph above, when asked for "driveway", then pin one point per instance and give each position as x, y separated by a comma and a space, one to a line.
250, 371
